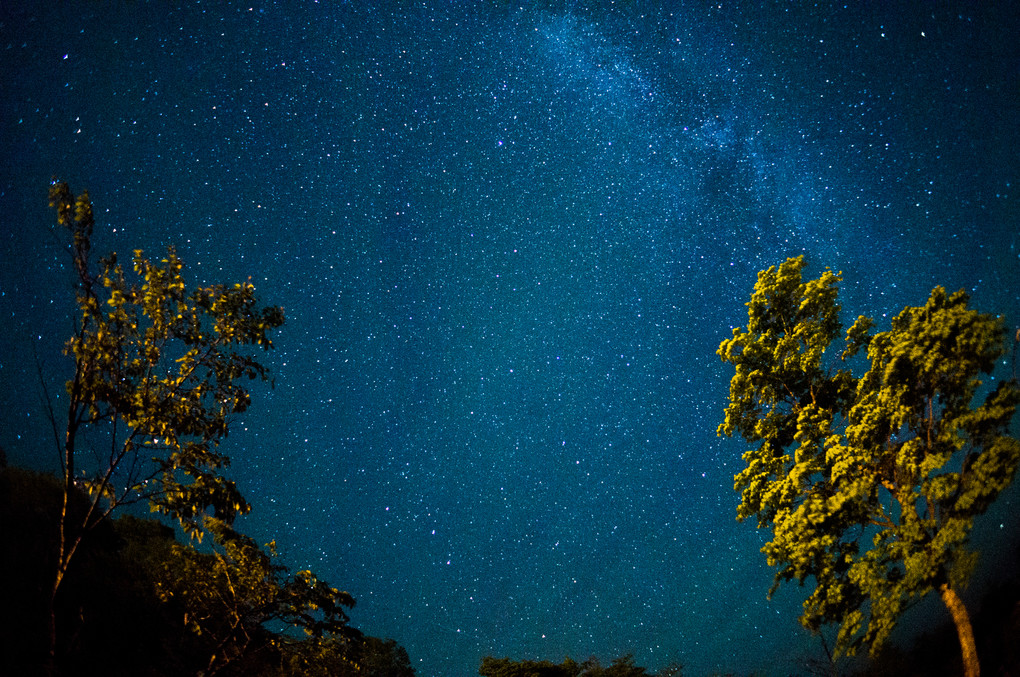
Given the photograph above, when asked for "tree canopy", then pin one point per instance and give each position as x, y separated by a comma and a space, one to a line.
158, 372
620, 667
232, 596
139, 601
870, 485
161, 369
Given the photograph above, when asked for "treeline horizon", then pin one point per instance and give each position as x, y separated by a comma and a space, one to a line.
160, 370
130, 631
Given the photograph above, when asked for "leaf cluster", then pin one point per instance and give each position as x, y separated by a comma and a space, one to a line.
140, 602
232, 596
869, 484
159, 371
162, 369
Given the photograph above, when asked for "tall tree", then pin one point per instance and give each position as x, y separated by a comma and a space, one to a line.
158, 372
869, 485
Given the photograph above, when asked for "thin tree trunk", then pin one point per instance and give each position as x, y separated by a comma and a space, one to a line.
50, 667
64, 549
63, 557
971, 668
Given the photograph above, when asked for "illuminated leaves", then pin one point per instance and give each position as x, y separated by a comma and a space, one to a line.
160, 369
163, 370
870, 485
229, 596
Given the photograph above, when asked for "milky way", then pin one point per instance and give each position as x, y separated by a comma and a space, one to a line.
508, 242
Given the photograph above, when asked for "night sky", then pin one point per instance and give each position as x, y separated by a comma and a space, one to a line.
508, 241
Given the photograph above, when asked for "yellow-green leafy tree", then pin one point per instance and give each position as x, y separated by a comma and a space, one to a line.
869, 485
232, 595
158, 371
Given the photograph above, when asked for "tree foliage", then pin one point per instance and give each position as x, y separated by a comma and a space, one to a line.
504, 667
869, 484
159, 370
231, 597
383, 658
620, 667
145, 603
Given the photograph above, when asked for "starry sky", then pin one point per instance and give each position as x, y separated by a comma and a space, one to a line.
508, 238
